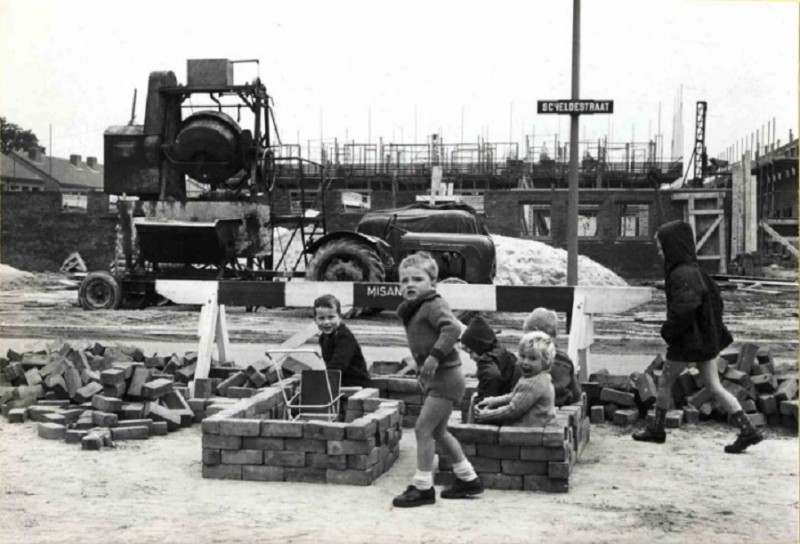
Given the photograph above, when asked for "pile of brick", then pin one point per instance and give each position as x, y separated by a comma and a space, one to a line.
245, 442
748, 374
522, 458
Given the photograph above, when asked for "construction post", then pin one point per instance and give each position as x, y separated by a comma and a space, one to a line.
572, 203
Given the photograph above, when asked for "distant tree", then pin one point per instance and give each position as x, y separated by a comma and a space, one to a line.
14, 138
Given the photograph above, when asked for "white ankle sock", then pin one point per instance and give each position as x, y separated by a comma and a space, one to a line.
464, 470
422, 480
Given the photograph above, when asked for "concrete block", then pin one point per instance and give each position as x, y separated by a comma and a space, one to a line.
106, 404
747, 357
74, 436
502, 481
285, 429
479, 434
85, 393
262, 473
620, 398
325, 461
156, 388
558, 470
349, 477
767, 404
234, 380
52, 431
305, 475
361, 429
362, 462
540, 453
17, 415
134, 432
104, 419
240, 427
203, 388
691, 414
305, 444
483, 464
789, 408
553, 436
262, 443
646, 387
156, 412
222, 472
497, 451
350, 447
625, 417
131, 410
160, 428
92, 441
242, 457
521, 436
757, 419
220, 442
284, 458
324, 430
141, 375
597, 414
55, 417
521, 468
700, 397
112, 376
545, 484
674, 418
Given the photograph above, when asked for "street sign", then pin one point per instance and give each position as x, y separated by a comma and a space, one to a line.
566, 107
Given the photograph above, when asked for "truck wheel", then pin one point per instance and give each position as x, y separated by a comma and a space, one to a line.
100, 291
345, 260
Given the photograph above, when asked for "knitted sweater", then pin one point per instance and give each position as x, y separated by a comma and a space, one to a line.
340, 351
431, 329
530, 404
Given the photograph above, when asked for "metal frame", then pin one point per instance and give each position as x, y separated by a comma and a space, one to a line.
332, 407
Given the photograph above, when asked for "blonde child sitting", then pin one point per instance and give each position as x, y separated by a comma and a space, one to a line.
532, 401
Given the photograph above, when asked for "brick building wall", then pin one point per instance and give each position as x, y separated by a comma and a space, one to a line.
36, 234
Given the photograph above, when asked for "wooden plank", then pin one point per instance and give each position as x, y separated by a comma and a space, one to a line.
208, 329
737, 211
186, 291
707, 212
613, 300
723, 235
750, 208
708, 234
707, 257
693, 195
223, 342
778, 238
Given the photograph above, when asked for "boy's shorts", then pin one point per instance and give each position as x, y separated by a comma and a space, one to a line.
448, 383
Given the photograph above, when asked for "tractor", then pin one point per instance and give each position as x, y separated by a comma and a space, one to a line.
197, 197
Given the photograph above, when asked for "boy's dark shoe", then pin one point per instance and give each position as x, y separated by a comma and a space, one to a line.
744, 440
462, 489
650, 435
415, 497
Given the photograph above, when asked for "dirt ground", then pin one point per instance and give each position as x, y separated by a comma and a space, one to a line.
687, 490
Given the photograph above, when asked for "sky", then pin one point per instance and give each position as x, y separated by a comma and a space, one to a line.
370, 70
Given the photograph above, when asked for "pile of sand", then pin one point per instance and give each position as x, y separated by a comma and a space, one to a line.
519, 262
12, 278
528, 262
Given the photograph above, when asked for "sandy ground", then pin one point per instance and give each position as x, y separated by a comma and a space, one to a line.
151, 491
687, 490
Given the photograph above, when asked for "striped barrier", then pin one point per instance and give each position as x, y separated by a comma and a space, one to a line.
580, 303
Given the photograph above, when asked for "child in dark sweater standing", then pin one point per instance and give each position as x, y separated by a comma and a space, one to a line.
432, 332
340, 349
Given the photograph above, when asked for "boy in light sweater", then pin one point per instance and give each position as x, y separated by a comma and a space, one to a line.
532, 401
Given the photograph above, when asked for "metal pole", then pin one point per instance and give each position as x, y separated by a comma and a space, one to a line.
572, 203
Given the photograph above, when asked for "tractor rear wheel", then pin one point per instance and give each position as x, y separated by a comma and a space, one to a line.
347, 260
100, 291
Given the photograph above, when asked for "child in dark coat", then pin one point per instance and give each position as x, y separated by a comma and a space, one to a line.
568, 391
694, 333
340, 349
496, 366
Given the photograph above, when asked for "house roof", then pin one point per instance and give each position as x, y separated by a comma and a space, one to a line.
64, 172
12, 168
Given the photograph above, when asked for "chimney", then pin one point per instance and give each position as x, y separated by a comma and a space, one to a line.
35, 153
75, 160
91, 162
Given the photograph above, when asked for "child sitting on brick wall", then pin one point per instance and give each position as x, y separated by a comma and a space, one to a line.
340, 349
565, 383
496, 366
432, 332
532, 401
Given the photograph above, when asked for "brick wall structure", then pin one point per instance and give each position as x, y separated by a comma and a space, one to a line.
37, 235
250, 440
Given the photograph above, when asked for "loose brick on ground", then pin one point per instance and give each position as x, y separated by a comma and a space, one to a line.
52, 431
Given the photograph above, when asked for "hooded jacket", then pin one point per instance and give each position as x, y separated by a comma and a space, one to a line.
693, 330
496, 366
530, 404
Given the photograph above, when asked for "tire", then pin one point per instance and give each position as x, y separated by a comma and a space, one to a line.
345, 260
100, 291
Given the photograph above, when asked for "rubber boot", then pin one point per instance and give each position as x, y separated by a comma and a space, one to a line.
748, 435
656, 431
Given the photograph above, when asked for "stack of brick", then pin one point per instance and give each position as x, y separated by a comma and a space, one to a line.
93, 396
522, 458
245, 442
768, 397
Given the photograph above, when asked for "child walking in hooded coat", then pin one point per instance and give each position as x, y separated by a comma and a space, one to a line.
432, 332
694, 332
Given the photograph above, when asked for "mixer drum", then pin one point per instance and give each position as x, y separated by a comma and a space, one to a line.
208, 147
